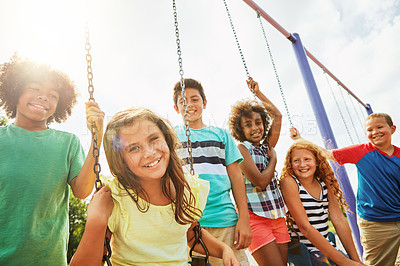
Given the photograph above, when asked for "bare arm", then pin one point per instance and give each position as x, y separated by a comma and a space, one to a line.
275, 130
250, 170
216, 248
295, 135
342, 227
82, 185
91, 247
291, 195
243, 231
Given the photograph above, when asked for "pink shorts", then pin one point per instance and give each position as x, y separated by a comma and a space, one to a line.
266, 230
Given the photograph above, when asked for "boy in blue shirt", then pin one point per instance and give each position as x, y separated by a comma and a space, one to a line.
216, 159
378, 194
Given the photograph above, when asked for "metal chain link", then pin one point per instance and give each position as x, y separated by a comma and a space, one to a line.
352, 103
183, 93
237, 43
96, 151
89, 65
93, 129
355, 110
198, 260
362, 111
348, 112
276, 72
338, 107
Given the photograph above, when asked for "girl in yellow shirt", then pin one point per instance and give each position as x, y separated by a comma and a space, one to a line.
154, 205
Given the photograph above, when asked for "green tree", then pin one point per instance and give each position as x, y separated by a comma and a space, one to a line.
77, 222
3, 121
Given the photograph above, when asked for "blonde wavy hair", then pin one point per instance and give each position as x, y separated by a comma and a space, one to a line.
323, 171
183, 203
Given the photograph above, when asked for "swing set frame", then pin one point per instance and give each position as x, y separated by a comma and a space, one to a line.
323, 123
322, 119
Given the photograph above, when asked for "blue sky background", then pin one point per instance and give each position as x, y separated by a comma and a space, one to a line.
135, 60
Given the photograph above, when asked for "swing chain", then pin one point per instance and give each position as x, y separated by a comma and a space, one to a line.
198, 260
96, 151
348, 111
237, 42
275, 70
183, 93
106, 257
96, 154
338, 106
89, 65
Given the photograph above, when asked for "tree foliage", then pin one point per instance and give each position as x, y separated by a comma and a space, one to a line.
77, 222
3, 121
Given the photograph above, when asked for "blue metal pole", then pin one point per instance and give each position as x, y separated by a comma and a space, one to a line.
369, 109
327, 135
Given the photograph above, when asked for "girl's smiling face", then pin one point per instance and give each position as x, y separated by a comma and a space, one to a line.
146, 152
303, 163
253, 128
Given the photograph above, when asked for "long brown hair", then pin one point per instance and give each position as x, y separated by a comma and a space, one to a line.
323, 171
183, 203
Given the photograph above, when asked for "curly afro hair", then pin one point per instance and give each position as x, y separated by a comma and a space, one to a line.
17, 73
244, 108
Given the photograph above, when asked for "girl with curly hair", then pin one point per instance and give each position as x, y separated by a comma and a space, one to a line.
39, 164
257, 127
154, 206
311, 192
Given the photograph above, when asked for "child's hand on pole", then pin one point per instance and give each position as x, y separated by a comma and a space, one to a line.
101, 206
253, 85
294, 134
94, 116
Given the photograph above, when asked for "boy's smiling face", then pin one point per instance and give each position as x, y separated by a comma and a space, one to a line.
195, 106
36, 104
378, 132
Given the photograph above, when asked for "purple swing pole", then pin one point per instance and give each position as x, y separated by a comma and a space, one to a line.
322, 119
291, 38
327, 135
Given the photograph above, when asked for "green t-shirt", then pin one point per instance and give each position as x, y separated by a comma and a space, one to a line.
35, 170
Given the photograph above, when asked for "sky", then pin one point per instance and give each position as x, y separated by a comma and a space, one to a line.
135, 61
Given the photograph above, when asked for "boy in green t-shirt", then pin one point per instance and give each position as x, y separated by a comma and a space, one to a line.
38, 163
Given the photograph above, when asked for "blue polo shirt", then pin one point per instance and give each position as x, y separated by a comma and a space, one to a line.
378, 194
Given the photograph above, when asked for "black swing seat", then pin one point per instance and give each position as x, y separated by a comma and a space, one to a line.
299, 255
195, 259
199, 261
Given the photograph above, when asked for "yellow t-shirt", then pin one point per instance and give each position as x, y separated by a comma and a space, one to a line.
153, 237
